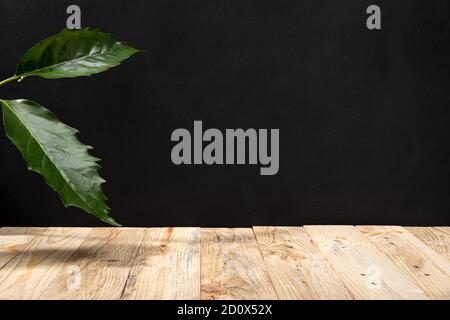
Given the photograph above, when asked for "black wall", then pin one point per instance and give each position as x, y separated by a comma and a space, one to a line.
363, 115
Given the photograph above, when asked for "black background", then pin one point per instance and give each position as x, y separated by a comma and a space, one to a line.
363, 115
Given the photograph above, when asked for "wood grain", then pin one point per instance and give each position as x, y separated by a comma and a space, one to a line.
28, 273
437, 238
15, 240
167, 266
366, 272
313, 262
102, 262
413, 258
297, 268
232, 266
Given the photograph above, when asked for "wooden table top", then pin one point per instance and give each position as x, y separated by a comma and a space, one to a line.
310, 262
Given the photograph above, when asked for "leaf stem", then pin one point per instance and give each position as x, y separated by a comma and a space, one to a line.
2, 83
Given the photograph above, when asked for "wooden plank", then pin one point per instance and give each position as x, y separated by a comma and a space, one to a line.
167, 266
27, 275
232, 266
14, 240
296, 266
413, 258
99, 268
365, 271
437, 238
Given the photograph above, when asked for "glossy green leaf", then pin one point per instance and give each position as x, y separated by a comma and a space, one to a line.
52, 149
71, 54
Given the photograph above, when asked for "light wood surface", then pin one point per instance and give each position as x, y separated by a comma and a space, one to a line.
297, 268
167, 266
14, 240
102, 262
31, 270
437, 238
232, 266
365, 270
413, 259
311, 262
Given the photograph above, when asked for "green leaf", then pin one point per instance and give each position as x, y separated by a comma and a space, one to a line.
71, 54
51, 148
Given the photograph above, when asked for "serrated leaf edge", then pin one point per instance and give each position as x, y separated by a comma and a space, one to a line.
108, 219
